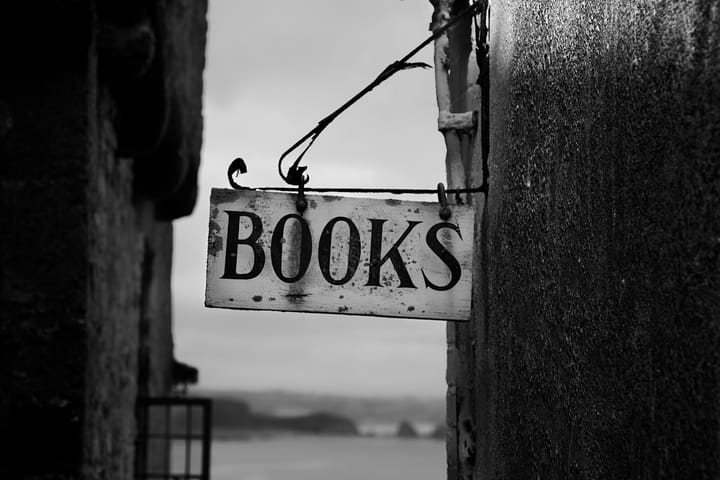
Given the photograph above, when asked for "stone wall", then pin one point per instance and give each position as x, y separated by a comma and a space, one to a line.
85, 253
43, 243
596, 349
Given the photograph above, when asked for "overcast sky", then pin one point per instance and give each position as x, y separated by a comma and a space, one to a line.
274, 68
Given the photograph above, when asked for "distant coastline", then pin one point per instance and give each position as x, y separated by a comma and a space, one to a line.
246, 415
362, 409
236, 415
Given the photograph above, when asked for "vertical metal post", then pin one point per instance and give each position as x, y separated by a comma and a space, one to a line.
168, 439
188, 440
141, 442
207, 440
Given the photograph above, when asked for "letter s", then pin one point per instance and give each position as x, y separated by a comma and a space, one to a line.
444, 254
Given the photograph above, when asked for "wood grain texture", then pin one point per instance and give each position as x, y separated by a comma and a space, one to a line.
314, 291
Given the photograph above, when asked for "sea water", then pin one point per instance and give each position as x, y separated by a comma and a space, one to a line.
328, 458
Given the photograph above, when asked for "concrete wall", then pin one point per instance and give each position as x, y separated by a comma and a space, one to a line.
85, 253
596, 349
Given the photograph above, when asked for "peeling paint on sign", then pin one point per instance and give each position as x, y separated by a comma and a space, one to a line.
355, 256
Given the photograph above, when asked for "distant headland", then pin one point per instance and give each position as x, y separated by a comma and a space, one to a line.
234, 417
252, 414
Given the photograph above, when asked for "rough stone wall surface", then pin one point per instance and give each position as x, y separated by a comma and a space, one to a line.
168, 173
603, 242
114, 291
129, 329
156, 342
85, 320
155, 352
44, 145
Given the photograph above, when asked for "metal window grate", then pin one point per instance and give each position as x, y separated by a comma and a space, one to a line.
173, 439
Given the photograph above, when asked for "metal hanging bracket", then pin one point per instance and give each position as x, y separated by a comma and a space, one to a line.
295, 173
465, 122
238, 167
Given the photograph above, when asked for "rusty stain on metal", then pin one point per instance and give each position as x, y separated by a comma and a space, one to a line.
215, 241
226, 195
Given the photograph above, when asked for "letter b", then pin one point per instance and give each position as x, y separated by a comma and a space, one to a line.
232, 246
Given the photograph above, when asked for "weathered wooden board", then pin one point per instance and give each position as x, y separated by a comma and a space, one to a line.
356, 256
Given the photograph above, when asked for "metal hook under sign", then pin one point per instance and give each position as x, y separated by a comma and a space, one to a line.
445, 211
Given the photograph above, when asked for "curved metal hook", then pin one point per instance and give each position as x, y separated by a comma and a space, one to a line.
295, 172
445, 211
236, 167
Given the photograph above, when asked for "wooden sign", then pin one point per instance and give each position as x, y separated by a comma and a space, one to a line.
356, 256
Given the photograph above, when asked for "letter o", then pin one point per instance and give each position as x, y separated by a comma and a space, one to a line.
325, 246
276, 248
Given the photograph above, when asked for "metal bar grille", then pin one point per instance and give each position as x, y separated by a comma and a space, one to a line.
170, 430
